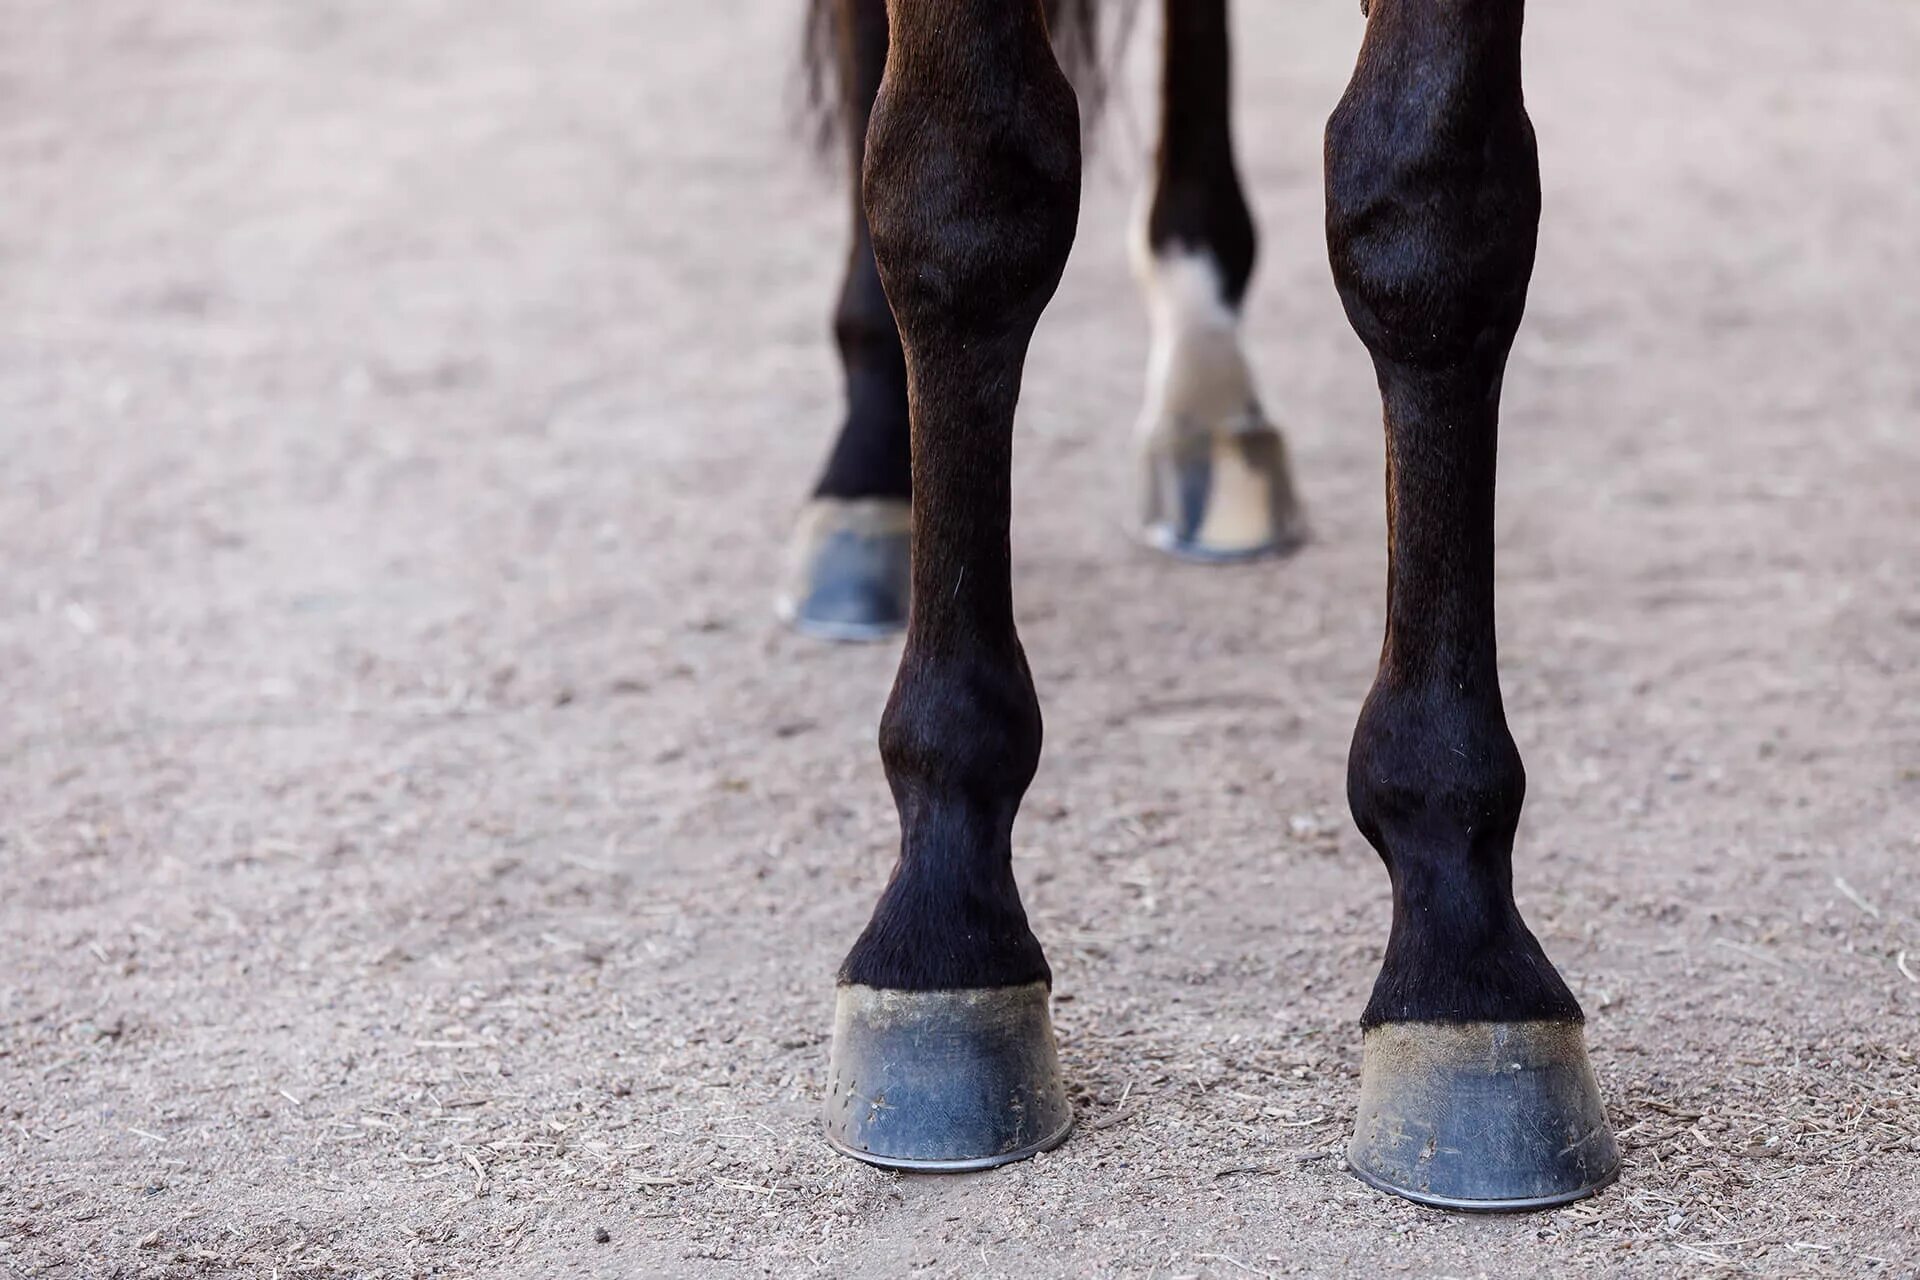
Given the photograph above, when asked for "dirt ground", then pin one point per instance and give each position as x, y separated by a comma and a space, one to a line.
425, 856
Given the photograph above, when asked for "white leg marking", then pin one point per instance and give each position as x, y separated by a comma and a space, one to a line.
1197, 377
1200, 395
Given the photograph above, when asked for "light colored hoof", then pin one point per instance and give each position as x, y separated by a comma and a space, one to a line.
850, 564
1496, 1117
1214, 480
1220, 496
944, 1081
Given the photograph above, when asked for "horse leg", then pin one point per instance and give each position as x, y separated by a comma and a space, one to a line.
848, 575
943, 1053
1214, 478
1476, 1090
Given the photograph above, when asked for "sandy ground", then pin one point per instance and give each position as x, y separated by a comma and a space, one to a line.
424, 856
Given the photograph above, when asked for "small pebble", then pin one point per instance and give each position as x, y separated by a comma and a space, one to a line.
600, 1235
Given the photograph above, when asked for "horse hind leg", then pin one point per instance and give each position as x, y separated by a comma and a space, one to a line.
847, 571
1214, 481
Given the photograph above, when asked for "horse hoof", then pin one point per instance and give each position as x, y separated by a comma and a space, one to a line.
944, 1081
850, 568
1220, 496
1497, 1117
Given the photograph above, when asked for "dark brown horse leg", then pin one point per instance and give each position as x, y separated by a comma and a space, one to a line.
1476, 1090
1215, 484
848, 574
943, 1053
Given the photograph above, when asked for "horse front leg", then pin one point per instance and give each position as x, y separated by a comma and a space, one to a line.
943, 1054
1214, 480
1476, 1090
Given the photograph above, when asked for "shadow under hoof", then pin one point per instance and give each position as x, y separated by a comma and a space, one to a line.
1221, 497
1493, 1117
850, 568
944, 1081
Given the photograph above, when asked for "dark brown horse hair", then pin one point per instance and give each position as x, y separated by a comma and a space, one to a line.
1077, 27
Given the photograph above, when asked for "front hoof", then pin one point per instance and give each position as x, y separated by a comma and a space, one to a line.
1220, 496
850, 566
944, 1081
1490, 1116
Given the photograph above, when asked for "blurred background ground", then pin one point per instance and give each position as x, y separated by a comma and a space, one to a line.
423, 854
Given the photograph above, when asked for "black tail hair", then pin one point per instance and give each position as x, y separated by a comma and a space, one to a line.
1074, 25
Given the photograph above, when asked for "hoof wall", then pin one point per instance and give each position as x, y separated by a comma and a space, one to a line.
849, 574
1220, 497
944, 1081
1490, 1117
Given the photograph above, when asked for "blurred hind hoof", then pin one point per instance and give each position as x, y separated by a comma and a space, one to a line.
944, 1081
1497, 1117
1220, 496
848, 575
